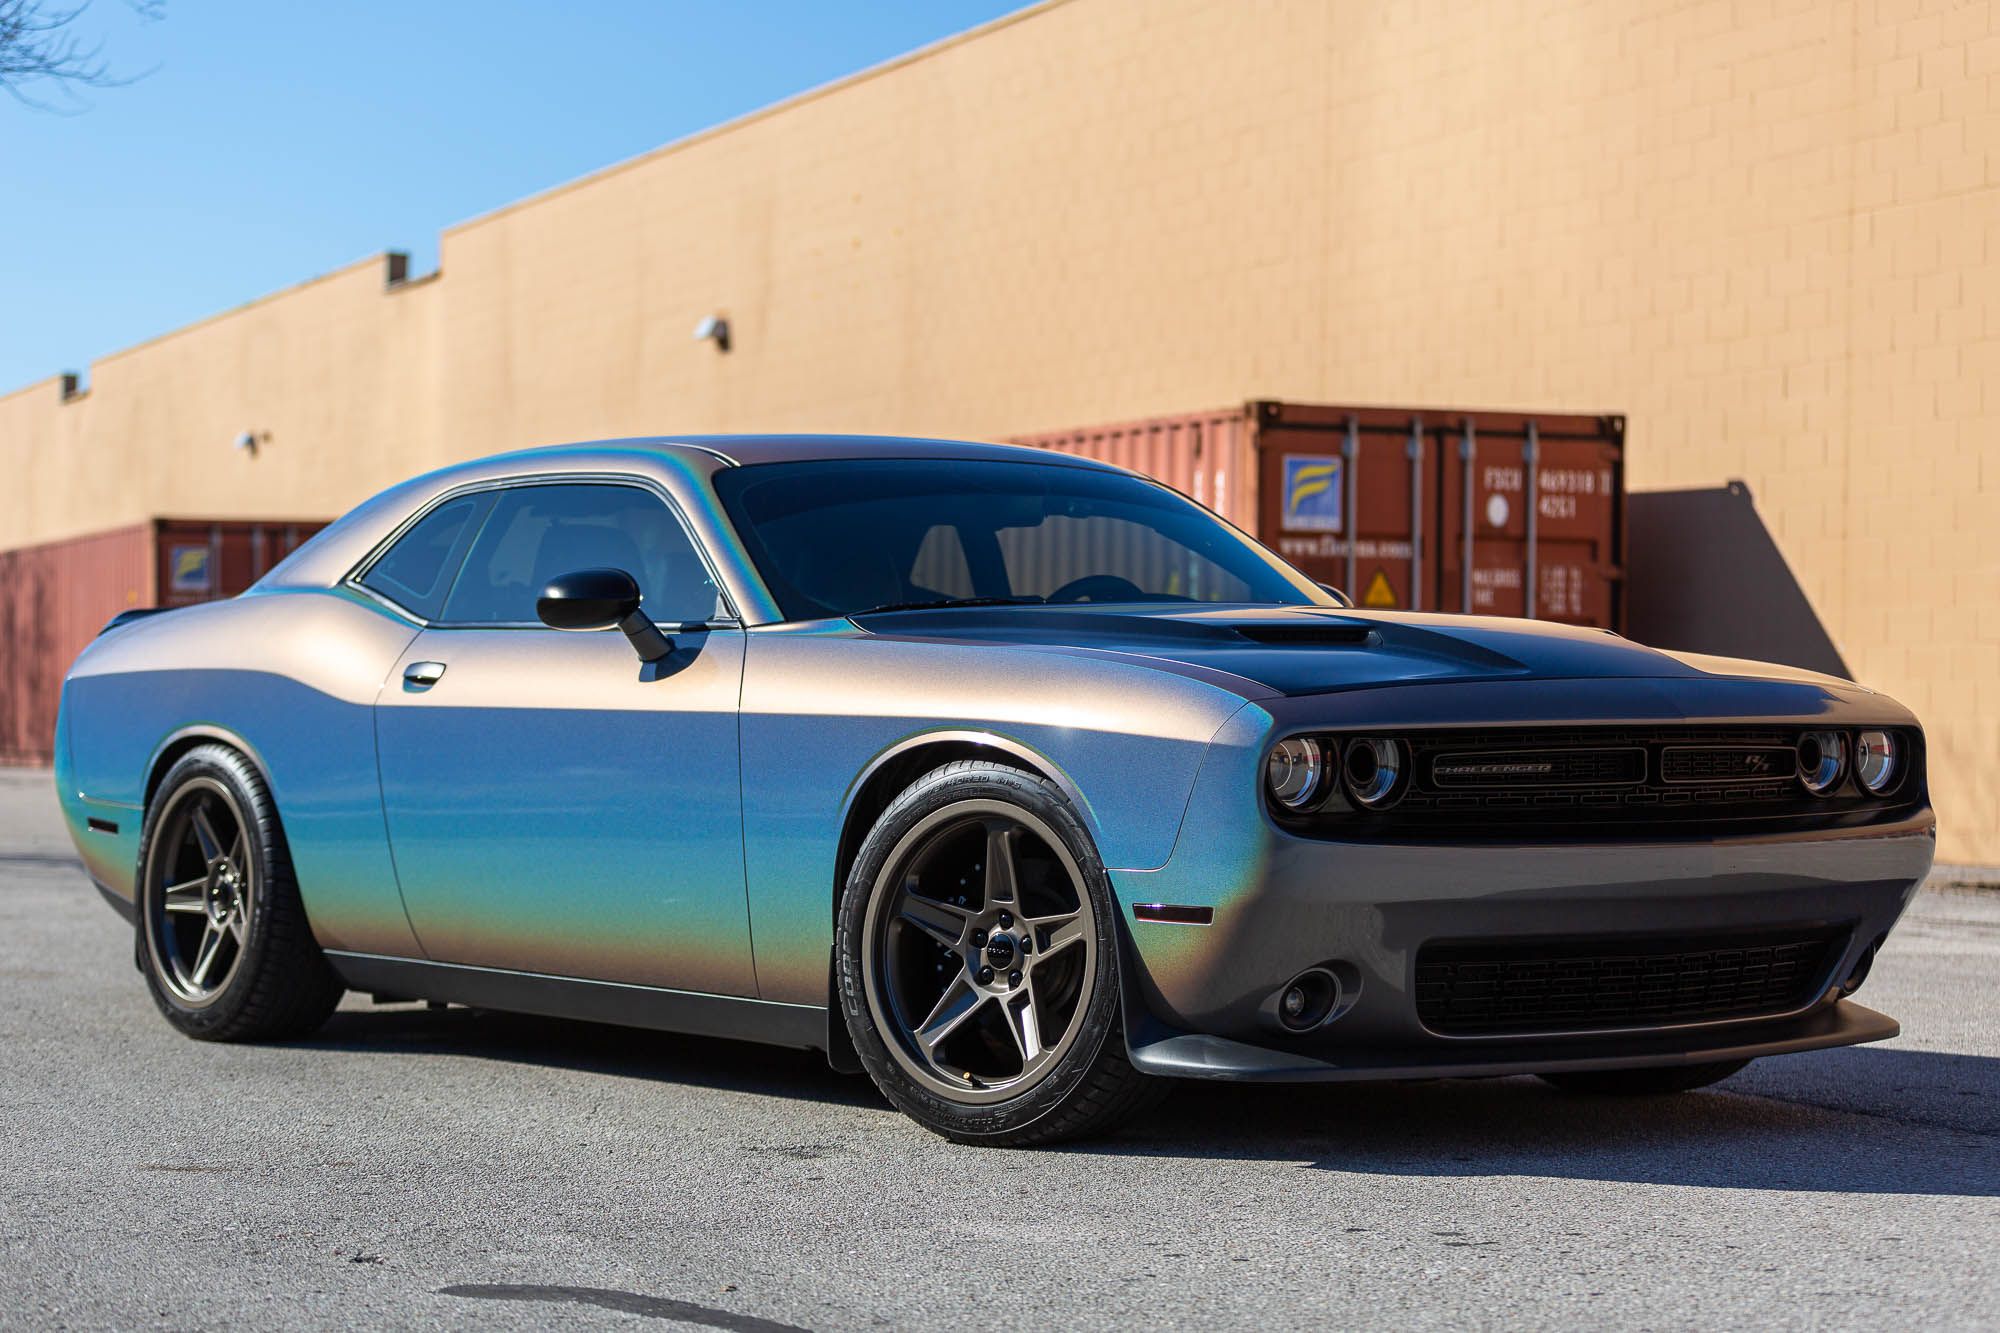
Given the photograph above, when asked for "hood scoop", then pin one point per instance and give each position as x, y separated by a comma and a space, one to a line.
1311, 636
1297, 650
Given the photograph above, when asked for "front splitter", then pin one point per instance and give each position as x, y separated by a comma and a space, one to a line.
1192, 1055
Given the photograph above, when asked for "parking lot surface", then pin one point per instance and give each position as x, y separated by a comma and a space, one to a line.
409, 1167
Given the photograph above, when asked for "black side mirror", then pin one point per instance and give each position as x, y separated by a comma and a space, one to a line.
1338, 596
598, 599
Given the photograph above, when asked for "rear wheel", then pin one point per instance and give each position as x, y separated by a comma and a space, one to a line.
979, 963
1652, 1082
223, 938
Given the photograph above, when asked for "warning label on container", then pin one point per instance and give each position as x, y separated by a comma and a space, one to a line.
1379, 592
1312, 493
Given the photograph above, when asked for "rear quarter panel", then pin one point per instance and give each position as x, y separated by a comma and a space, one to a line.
821, 707
291, 679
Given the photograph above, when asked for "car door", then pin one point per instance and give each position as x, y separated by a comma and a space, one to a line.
554, 804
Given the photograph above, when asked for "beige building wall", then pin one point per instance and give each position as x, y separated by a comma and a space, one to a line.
1766, 232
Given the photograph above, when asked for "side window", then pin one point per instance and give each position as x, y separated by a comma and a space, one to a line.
417, 570
536, 533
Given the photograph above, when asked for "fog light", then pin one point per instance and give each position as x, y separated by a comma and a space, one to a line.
1305, 1003
1292, 773
1862, 966
1876, 762
1374, 771
1822, 760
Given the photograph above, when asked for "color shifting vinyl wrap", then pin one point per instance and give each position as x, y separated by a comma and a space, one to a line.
558, 806
551, 805
301, 704
1126, 739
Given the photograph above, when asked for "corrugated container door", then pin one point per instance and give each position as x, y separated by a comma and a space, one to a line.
1206, 455
1532, 517
1347, 496
201, 560
190, 561
54, 598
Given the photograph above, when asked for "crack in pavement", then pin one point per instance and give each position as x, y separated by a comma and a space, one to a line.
628, 1302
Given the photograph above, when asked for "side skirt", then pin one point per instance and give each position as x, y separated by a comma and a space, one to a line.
735, 1017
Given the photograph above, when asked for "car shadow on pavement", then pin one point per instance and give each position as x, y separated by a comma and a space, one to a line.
1855, 1121
596, 1048
1861, 1120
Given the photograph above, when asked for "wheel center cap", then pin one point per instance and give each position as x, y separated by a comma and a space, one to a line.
221, 896
1000, 950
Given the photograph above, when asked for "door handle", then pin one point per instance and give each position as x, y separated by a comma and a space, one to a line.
423, 675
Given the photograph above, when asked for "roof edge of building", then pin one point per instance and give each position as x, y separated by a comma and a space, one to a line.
699, 136
777, 108
374, 260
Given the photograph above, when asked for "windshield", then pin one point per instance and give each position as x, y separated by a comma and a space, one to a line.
843, 537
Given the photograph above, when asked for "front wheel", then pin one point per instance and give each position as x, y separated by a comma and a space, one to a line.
979, 963
223, 938
1652, 1082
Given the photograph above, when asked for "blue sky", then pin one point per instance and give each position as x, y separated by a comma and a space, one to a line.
274, 141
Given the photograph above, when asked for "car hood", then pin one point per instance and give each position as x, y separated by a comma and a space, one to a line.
1313, 650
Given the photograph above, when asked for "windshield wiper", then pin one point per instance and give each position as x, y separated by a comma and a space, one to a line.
940, 603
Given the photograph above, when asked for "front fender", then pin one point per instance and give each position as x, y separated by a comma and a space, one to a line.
1124, 741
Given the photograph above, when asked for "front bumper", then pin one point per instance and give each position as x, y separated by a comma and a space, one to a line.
1201, 999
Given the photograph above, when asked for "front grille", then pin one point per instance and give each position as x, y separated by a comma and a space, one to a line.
1522, 770
1650, 771
1602, 783
1727, 763
1544, 986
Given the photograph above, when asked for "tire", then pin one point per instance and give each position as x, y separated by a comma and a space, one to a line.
1654, 1082
1047, 975
222, 935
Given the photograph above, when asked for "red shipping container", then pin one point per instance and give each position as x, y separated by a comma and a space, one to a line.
1347, 496
1210, 456
1543, 540
56, 597
1376, 500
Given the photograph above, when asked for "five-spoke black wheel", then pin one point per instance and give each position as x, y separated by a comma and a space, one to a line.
223, 938
979, 963
199, 916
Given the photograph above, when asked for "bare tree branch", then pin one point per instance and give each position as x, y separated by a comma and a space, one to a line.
39, 47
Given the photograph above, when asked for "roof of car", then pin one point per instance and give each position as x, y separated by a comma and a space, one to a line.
747, 450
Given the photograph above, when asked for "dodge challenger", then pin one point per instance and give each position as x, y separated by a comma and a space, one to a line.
1016, 780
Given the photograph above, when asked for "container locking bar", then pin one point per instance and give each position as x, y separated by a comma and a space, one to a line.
1468, 448
1531, 452
1350, 450
1416, 452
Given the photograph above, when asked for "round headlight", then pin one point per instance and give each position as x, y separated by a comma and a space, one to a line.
1822, 760
1877, 761
1293, 772
1374, 771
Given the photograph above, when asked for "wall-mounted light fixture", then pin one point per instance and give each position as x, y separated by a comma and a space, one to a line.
713, 329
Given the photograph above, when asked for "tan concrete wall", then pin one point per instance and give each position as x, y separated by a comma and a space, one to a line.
1768, 233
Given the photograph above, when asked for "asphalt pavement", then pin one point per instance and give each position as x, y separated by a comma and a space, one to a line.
410, 1168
